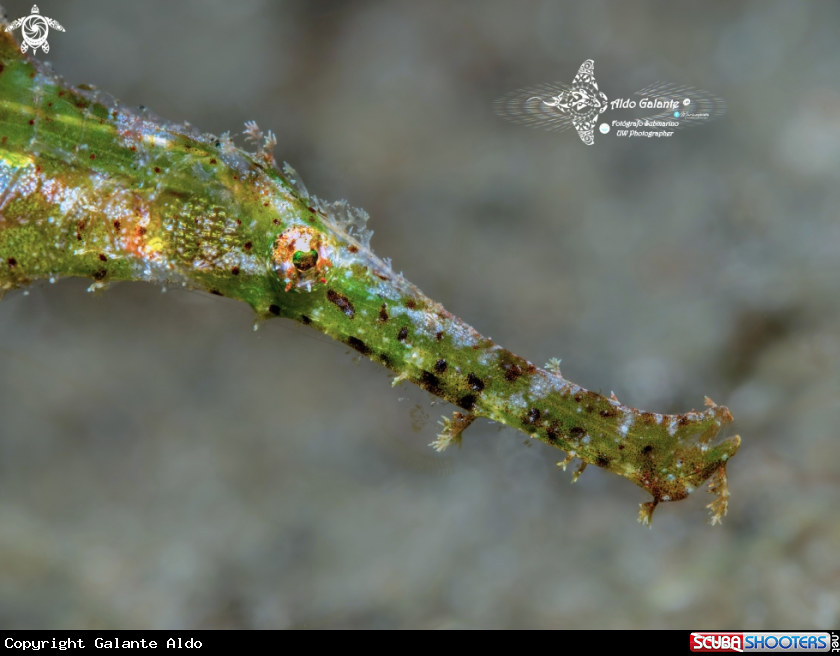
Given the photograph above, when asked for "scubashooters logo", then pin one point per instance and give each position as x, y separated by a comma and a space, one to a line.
558, 106
797, 642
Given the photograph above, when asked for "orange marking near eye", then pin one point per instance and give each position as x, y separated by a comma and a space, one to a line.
301, 239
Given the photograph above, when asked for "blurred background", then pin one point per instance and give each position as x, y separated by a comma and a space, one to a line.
159, 469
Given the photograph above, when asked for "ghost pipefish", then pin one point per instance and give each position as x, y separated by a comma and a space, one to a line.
91, 188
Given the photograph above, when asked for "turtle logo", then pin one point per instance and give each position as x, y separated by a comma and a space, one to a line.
34, 30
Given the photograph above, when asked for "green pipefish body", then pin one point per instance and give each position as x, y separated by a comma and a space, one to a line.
91, 188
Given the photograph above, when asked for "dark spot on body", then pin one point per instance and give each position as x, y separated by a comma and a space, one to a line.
117, 224
213, 161
381, 277
647, 449
359, 345
531, 368
467, 402
12, 262
601, 460
646, 417
341, 302
402, 334
141, 230
411, 304
353, 249
303, 318
157, 169
383, 313
235, 270
440, 366
430, 382
384, 359
552, 432
103, 257
475, 382
621, 447
274, 309
606, 413
99, 274
247, 245
216, 292
92, 156
513, 372
683, 421
577, 432
533, 416
578, 398
31, 121
439, 335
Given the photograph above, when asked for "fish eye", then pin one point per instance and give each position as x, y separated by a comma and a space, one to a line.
304, 261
